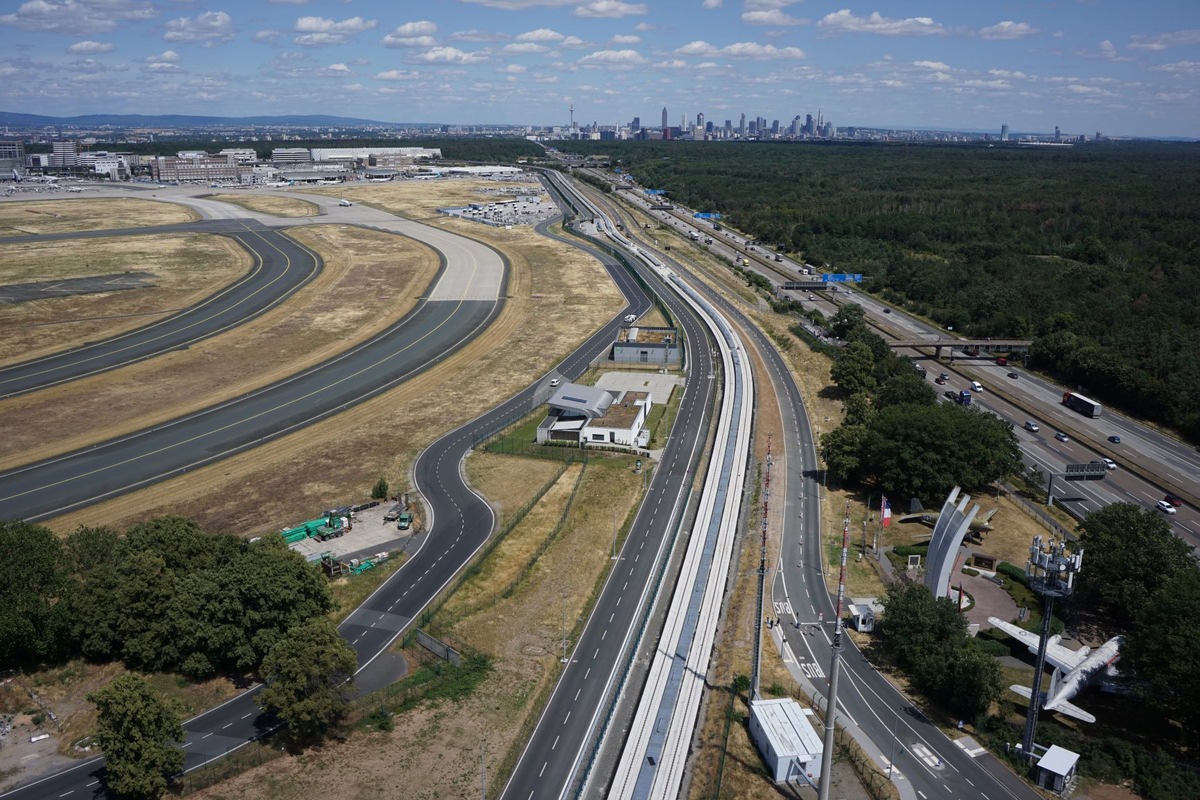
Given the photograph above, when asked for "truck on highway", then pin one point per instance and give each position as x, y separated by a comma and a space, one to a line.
963, 398
1089, 408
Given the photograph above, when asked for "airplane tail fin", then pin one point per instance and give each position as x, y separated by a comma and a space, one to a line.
914, 506
986, 518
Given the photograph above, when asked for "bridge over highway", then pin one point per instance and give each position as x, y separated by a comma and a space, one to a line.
981, 345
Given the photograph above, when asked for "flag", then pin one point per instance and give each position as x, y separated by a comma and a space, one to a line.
885, 512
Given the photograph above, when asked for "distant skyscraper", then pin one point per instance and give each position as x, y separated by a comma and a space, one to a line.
700, 120
775, 127
1004, 133
65, 153
1057, 134
636, 125
742, 127
666, 125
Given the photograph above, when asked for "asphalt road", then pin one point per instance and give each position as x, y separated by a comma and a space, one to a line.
923, 756
460, 522
552, 756
281, 266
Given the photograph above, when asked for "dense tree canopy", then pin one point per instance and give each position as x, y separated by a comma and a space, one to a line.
1091, 251
166, 596
1130, 553
139, 735
308, 675
928, 639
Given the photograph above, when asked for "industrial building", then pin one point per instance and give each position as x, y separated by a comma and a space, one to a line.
647, 345
200, 167
587, 415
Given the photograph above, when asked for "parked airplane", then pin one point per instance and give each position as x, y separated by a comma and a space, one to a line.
1073, 669
18, 177
74, 189
981, 524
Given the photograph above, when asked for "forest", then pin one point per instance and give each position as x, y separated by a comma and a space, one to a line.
1093, 252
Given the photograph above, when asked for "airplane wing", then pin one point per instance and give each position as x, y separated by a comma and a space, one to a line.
1064, 658
1062, 706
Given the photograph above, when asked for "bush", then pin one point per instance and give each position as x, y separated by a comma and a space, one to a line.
380, 490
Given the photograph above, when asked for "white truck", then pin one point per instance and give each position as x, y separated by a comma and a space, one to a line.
345, 203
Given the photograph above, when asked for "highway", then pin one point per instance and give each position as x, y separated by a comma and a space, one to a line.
460, 522
799, 593
558, 753
281, 267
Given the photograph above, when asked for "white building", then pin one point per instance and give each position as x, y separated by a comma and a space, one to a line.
786, 739
588, 415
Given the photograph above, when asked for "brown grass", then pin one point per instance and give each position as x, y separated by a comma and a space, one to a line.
371, 279
187, 267
435, 751
556, 297
41, 217
420, 200
275, 204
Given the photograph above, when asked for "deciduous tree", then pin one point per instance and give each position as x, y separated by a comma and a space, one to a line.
308, 675
139, 735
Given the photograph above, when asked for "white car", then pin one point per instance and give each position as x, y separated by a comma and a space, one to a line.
631, 317
1109, 463
1062, 437
554, 382
1166, 507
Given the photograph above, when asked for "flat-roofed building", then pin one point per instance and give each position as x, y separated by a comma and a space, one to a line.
363, 154
12, 157
647, 345
588, 415
786, 739
291, 155
202, 169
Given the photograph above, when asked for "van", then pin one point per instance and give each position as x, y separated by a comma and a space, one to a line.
976, 386
1031, 426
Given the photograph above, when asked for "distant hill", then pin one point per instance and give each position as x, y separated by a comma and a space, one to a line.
16, 120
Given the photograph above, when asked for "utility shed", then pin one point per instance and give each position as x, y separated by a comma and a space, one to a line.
646, 345
1056, 769
786, 740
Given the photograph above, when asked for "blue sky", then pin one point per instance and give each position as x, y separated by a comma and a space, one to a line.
1124, 68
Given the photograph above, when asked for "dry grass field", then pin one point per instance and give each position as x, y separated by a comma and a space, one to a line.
278, 205
434, 751
186, 267
556, 297
41, 217
411, 199
370, 280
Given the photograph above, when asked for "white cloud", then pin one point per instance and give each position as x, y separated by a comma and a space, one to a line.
88, 46
1088, 91
644, 27
845, 22
712, 4
1008, 30
1160, 42
421, 27
450, 55
398, 75
1004, 73
748, 50
571, 41
524, 48
77, 17
475, 35
977, 83
626, 58
318, 31
208, 28
1180, 68
392, 40
940, 65
338, 69
288, 2
540, 35
512, 69
609, 9
269, 36
167, 61
626, 39
773, 16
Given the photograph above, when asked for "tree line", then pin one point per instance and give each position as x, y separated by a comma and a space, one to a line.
1090, 251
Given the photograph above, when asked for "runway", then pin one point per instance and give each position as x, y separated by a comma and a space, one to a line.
281, 267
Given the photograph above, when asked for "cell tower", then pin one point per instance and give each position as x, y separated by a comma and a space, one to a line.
572, 116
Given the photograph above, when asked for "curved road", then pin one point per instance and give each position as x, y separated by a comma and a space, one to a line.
281, 266
460, 523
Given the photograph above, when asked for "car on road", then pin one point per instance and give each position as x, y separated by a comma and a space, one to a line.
1173, 500
1166, 507
1062, 437
1109, 463
951, 394
1115, 439
940, 381
887, 311
1030, 425
945, 376
1013, 375
554, 382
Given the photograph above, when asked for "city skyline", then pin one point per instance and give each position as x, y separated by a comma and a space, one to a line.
1083, 66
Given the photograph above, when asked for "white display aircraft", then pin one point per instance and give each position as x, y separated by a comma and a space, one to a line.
1073, 669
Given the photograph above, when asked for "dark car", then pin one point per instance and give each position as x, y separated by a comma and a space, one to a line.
1173, 500
1013, 375
887, 311
1115, 439
940, 381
